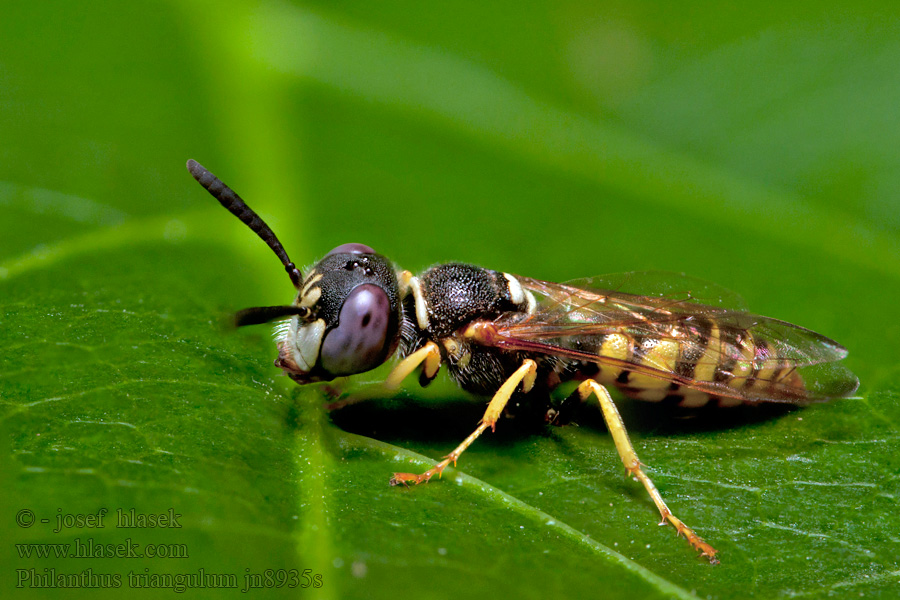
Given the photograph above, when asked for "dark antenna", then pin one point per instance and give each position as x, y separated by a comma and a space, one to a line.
236, 206
264, 314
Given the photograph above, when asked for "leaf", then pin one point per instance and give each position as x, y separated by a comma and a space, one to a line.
754, 150
147, 404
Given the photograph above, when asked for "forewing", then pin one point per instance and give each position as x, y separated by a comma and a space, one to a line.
663, 284
570, 319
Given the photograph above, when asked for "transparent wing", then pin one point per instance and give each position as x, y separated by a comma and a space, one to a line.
663, 284
717, 345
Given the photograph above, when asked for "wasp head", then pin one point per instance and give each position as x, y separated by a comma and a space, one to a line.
347, 320
346, 316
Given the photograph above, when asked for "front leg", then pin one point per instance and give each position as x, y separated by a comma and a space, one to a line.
429, 356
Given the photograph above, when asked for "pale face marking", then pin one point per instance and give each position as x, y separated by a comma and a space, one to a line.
307, 342
310, 297
311, 279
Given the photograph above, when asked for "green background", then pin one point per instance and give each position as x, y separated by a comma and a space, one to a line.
757, 148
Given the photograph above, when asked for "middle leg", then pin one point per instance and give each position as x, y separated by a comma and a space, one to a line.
525, 375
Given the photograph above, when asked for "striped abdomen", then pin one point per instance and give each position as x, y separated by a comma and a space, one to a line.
692, 363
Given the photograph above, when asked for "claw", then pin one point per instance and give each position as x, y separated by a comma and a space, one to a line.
407, 478
400, 479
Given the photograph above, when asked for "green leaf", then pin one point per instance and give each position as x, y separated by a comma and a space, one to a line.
754, 149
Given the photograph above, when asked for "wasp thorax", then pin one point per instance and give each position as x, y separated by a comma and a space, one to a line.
353, 322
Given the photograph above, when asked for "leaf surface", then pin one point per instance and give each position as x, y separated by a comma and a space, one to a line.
557, 141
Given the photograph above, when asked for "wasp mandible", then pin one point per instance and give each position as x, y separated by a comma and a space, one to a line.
505, 336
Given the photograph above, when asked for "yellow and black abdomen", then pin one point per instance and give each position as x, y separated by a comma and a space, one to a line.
691, 364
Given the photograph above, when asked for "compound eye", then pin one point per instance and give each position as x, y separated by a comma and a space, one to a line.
352, 249
357, 343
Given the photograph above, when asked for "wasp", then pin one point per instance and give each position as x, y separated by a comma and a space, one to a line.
507, 336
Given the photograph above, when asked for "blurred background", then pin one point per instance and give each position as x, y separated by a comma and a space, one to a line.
754, 147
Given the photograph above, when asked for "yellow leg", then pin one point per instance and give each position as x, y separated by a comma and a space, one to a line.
633, 465
428, 354
525, 375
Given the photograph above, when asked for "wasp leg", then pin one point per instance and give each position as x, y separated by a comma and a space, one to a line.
633, 465
525, 375
429, 355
